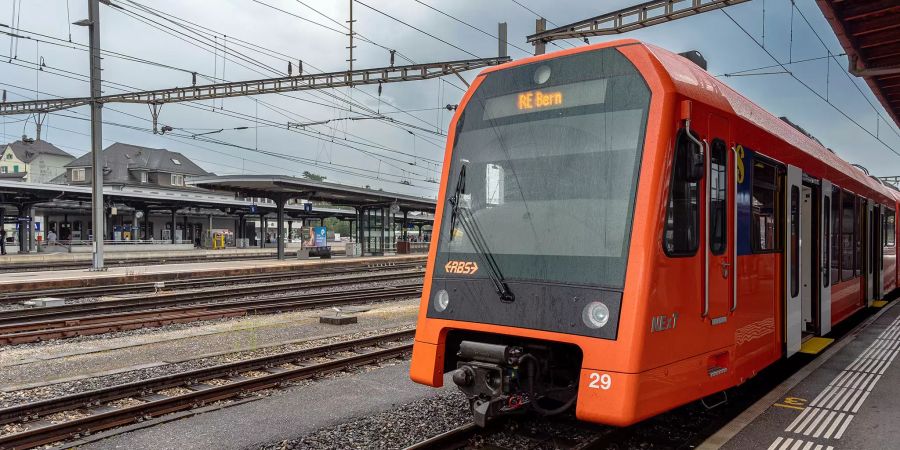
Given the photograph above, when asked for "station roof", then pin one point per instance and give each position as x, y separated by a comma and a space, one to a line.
16, 192
271, 186
869, 31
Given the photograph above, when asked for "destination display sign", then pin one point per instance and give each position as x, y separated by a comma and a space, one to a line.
570, 95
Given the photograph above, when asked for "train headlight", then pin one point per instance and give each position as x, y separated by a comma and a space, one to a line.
441, 300
595, 315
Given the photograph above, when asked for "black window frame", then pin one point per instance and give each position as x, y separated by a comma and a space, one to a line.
776, 186
826, 230
718, 213
849, 202
836, 213
794, 236
889, 230
680, 167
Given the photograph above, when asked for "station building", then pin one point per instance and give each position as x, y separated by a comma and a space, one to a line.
151, 201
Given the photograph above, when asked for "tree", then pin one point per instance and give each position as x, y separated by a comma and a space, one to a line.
312, 176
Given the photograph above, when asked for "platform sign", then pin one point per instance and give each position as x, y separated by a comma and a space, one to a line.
321, 240
307, 207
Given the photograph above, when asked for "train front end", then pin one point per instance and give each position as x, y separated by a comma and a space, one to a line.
525, 302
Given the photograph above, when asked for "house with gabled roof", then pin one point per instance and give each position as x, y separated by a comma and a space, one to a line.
32, 161
132, 165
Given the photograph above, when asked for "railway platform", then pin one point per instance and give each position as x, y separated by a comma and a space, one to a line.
847, 398
57, 279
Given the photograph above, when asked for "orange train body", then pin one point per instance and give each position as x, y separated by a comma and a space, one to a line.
690, 320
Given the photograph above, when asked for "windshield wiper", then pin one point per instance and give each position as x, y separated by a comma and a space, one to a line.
471, 229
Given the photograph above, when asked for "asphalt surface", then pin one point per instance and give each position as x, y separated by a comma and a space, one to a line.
850, 402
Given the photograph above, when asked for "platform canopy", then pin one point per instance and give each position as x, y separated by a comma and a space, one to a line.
869, 31
285, 187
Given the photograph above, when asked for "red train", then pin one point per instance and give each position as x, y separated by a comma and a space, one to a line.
622, 232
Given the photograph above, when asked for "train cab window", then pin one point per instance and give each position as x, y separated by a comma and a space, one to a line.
848, 240
718, 197
889, 237
681, 235
836, 234
765, 207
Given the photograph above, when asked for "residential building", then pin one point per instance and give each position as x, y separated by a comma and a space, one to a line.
33, 161
131, 165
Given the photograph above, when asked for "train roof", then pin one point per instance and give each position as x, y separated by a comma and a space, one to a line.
692, 81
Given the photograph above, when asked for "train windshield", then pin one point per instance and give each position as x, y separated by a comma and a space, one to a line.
548, 154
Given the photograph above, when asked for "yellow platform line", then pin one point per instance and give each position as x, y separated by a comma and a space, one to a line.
814, 346
879, 303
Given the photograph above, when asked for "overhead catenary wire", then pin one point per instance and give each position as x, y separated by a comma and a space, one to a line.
181, 22
809, 88
849, 77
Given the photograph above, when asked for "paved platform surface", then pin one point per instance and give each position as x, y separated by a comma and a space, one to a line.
11, 259
852, 401
18, 281
285, 415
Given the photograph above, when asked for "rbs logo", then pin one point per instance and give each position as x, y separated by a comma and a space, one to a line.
461, 267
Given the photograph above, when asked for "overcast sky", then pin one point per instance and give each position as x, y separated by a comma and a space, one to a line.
377, 152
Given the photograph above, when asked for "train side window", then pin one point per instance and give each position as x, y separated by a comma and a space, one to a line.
858, 227
681, 235
718, 197
795, 241
826, 210
765, 207
889, 231
836, 235
848, 241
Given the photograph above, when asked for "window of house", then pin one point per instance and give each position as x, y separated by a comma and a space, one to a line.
177, 180
765, 207
77, 174
9, 156
681, 235
176, 162
143, 177
16, 168
3, 169
848, 241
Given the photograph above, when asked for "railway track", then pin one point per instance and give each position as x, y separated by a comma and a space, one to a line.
130, 288
208, 295
66, 324
77, 415
67, 265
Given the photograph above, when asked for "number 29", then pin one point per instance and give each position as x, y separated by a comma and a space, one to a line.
600, 381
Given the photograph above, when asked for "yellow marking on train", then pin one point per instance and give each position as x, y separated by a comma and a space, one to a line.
814, 346
879, 303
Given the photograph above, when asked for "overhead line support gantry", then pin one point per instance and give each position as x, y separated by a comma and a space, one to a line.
304, 82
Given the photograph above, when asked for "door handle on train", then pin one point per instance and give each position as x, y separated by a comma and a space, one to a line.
725, 265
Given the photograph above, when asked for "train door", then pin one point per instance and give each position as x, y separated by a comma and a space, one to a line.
867, 256
793, 317
809, 257
825, 249
720, 207
875, 252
